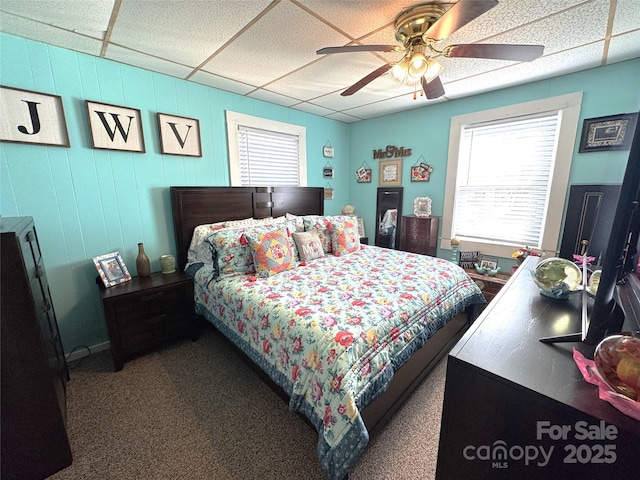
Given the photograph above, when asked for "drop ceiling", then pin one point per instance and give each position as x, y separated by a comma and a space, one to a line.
266, 49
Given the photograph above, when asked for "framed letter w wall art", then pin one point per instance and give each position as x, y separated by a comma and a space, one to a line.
32, 117
179, 135
115, 128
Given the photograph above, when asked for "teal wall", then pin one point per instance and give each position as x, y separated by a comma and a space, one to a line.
88, 202
606, 91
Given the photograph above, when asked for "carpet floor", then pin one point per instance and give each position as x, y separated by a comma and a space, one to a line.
194, 410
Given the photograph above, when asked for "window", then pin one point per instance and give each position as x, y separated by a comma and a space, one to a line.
265, 152
508, 174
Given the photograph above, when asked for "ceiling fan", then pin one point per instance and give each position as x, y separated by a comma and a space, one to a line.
420, 28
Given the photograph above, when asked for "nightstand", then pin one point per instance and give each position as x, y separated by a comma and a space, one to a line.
148, 311
490, 286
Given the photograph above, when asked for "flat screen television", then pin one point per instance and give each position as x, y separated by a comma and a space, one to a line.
620, 260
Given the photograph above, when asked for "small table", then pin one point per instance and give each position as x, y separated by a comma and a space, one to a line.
490, 286
148, 311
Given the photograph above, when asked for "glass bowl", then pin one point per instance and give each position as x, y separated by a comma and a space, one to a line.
617, 360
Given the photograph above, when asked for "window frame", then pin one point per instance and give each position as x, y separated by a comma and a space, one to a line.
569, 106
235, 119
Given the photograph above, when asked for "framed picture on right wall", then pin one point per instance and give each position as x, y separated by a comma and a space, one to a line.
613, 132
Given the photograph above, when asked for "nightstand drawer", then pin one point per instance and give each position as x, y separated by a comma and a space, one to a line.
150, 305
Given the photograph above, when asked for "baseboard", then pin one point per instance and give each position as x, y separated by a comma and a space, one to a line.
82, 352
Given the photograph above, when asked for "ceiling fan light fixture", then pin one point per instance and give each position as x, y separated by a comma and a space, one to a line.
433, 70
417, 65
399, 71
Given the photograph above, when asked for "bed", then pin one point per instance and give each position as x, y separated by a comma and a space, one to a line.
345, 335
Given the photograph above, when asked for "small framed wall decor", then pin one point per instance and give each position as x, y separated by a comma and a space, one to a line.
115, 128
421, 173
179, 135
613, 132
327, 150
363, 175
327, 171
468, 258
32, 117
390, 173
111, 269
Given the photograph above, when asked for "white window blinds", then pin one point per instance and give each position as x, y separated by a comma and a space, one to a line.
268, 158
504, 179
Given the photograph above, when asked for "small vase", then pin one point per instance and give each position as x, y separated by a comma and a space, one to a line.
142, 262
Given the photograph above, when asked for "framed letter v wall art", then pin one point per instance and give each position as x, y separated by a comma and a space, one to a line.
179, 135
115, 128
32, 117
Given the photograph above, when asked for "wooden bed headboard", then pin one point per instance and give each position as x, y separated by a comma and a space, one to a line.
193, 206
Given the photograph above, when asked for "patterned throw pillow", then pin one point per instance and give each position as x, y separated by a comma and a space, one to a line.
271, 251
309, 245
345, 238
234, 256
323, 226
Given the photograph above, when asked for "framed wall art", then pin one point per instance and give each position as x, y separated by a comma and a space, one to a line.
613, 132
390, 173
469, 258
115, 128
363, 175
421, 173
32, 117
111, 269
179, 135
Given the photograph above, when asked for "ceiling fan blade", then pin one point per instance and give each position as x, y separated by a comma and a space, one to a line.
366, 80
359, 48
521, 53
457, 16
433, 89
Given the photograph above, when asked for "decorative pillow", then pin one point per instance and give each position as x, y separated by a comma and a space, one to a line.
309, 245
200, 251
345, 238
234, 256
271, 251
323, 226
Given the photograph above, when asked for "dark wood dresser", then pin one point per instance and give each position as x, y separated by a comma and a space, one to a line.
419, 234
148, 311
34, 371
518, 408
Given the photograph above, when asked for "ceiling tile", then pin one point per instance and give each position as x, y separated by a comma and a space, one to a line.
184, 32
276, 44
86, 17
137, 59
57, 37
624, 47
221, 83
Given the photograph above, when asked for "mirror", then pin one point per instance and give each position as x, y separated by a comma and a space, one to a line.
388, 217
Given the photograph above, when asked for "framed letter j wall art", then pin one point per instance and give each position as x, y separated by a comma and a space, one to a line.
115, 128
179, 135
32, 117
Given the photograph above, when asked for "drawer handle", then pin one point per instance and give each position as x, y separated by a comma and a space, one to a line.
29, 236
39, 271
47, 305
158, 319
150, 298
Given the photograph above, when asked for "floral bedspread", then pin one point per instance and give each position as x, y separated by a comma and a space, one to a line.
331, 332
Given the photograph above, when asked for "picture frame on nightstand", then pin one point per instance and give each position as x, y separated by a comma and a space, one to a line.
111, 269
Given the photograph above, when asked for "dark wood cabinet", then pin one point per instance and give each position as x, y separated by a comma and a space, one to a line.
148, 311
34, 371
508, 396
419, 235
